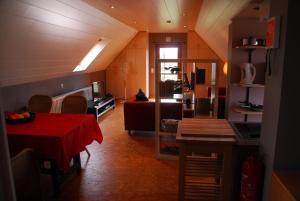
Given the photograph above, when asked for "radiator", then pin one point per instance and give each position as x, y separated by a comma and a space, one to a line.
57, 100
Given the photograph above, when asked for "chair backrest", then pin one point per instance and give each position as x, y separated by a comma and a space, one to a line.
74, 104
26, 176
40, 103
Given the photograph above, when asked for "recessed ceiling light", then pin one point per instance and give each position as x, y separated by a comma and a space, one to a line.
112, 6
185, 26
168, 21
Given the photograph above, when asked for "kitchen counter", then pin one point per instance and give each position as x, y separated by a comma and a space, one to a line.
247, 133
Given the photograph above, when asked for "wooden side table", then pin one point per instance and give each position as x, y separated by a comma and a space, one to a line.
205, 160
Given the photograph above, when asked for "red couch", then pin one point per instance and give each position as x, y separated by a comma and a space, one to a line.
140, 115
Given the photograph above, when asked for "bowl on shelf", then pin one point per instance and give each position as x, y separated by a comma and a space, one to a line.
18, 118
255, 107
251, 106
244, 104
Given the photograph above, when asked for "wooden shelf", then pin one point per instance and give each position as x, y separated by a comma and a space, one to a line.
248, 85
246, 111
250, 47
167, 134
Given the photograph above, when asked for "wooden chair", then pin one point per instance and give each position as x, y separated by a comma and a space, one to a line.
75, 104
26, 176
40, 103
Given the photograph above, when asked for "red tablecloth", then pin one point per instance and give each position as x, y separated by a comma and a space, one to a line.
55, 136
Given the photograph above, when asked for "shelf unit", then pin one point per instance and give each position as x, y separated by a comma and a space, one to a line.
162, 137
248, 85
250, 47
245, 111
240, 110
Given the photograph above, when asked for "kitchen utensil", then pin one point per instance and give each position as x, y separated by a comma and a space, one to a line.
252, 40
245, 41
248, 73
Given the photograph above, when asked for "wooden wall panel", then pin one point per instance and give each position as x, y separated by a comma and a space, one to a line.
128, 72
197, 48
43, 39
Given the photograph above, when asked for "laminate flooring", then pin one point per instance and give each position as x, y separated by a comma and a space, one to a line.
123, 168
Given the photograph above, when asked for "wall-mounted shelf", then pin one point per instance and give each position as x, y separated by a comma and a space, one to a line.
251, 47
240, 110
245, 111
248, 85
167, 134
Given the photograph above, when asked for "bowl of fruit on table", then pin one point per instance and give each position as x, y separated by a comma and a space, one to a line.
19, 117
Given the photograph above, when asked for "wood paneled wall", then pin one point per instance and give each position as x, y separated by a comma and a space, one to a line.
129, 71
17, 96
47, 39
197, 48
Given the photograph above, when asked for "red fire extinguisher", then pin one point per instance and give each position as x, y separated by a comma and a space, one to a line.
252, 179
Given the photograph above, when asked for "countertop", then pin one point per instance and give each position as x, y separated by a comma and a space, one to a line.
217, 130
248, 133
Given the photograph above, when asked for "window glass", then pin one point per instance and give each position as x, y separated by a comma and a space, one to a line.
168, 69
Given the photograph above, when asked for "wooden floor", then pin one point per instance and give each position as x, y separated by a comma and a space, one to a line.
122, 168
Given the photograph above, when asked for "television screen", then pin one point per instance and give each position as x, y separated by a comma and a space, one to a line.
200, 76
98, 90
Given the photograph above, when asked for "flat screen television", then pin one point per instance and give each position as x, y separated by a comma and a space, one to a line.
98, 90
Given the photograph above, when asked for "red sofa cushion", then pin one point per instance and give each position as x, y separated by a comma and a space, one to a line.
140, 115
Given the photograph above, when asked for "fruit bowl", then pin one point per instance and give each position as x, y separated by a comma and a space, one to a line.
18, 118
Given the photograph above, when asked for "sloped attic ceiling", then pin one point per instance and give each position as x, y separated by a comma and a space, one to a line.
213, 21
42, 39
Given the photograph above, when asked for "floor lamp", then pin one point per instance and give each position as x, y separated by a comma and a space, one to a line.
125, 72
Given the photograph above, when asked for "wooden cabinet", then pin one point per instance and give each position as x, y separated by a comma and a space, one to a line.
205, 161
285, 186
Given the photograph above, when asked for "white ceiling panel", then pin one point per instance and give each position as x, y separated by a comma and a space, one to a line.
43, 39
213, 21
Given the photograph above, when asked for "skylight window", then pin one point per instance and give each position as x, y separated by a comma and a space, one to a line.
91, 55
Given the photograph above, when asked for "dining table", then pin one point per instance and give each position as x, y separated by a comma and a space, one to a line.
55, 137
